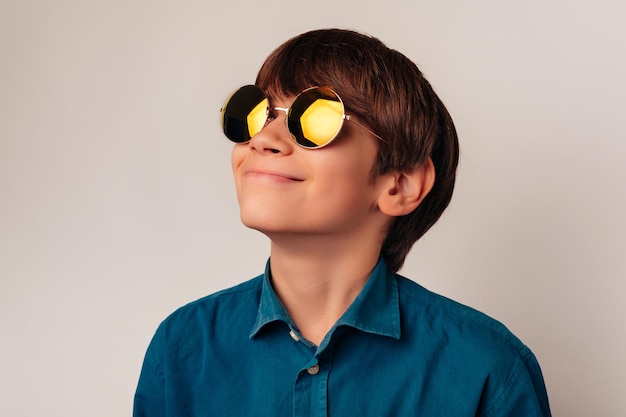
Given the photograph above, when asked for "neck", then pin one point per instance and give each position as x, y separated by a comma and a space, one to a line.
317, 281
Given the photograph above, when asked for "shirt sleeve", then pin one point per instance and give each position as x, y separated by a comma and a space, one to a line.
524, 394
150, 394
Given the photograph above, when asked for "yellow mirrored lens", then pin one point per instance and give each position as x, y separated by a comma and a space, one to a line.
322, 120
257, 117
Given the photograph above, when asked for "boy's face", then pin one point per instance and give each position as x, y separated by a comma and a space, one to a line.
284, 188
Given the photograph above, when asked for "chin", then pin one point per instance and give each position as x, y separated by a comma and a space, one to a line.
262, 223
272, 227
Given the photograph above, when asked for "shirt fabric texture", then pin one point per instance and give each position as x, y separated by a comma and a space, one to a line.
399, 350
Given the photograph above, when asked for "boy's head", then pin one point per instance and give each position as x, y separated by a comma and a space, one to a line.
384, 89
387, 91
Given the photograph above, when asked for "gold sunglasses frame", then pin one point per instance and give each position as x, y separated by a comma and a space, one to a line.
286, 110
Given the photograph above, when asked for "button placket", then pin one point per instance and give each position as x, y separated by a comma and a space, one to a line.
313, 370
310, 391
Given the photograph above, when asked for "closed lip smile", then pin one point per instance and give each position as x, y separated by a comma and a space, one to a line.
271, 175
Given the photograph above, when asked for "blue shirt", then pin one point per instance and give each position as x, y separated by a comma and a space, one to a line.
399, 350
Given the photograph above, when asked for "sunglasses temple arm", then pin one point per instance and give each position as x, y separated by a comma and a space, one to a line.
366, 128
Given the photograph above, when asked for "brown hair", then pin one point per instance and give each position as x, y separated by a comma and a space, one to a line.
386, 90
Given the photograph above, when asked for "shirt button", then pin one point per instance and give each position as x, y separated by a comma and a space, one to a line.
294, 336
313, 370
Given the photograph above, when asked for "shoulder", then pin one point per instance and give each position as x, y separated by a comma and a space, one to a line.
464, 327
217, 310
480, 350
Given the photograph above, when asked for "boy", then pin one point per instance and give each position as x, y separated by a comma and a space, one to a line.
344, 157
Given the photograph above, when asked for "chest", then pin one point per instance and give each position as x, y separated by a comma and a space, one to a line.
359, 375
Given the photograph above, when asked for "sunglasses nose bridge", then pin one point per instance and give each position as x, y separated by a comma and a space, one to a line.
280, 109
271, 117
273, 137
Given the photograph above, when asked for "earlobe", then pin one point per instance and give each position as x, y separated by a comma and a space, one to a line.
405, 190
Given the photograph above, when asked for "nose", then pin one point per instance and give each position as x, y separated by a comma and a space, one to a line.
274, 137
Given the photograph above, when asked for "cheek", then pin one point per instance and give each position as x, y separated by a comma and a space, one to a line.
345, 182
236, 156
354, 167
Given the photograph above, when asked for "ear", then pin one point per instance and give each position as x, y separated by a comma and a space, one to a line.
405, 190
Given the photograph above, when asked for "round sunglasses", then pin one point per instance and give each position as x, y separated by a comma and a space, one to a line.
314, 118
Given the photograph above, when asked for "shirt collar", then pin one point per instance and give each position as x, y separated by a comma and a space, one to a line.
270, 307
375, 310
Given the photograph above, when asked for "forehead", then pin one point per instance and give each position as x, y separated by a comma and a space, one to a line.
314, 95
279, 98
282, 84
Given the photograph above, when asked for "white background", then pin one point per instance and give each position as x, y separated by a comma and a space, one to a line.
117, 204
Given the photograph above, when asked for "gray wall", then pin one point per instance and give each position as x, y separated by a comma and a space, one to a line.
117, 204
